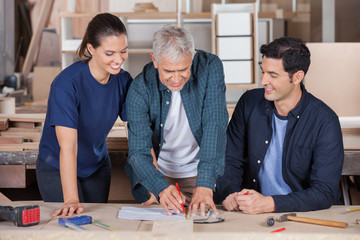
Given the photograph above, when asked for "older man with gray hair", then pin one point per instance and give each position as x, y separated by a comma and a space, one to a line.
177, 121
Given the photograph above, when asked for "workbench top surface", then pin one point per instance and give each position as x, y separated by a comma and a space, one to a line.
237, 225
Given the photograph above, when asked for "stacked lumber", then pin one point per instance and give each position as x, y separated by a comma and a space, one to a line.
117, 140
20, 132
145, 7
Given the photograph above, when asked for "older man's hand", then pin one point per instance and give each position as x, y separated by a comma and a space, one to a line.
201, 197
170, 197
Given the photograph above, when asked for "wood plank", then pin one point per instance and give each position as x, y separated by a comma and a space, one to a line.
104, 6
12, 176
19, 129
117, 132
11, 140
351, 163
350, 131
114, 146
19, 147
197, 15
25, 117
83, 6
20, 124
28, 136
42, 79
3, 198
285, 15
35, 40
326, 76
7, 105
173, 226
129, 15
4, 124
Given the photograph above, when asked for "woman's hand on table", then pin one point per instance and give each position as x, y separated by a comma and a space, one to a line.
69, 208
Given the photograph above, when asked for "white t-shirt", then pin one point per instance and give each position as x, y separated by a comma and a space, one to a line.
178, 157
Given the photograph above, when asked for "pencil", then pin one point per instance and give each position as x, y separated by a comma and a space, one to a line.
353, 209
104, 225
278, 230
182, 205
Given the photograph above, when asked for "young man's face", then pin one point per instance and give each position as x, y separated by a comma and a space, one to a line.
174, 75
278, 86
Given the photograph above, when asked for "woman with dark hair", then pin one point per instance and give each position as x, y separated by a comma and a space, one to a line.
85, 100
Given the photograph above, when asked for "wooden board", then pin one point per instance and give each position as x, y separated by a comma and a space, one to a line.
35, 40
11, 140
20, 130
4, 123
19, 147
24, 117
237, 225
12, 176
83, 6
333, 76
3, 198
22, 124
7, 105
27, 136
43, 77
173, 226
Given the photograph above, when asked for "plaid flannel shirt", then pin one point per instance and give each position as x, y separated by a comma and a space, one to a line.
148, 102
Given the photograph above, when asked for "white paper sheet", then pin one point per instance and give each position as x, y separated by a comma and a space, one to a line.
134, 213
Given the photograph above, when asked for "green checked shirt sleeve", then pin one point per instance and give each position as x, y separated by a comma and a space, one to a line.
204, 101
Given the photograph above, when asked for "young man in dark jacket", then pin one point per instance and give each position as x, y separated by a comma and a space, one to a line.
284, 146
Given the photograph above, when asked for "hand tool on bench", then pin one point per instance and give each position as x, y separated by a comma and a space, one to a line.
293, 217
23, 216
76, 222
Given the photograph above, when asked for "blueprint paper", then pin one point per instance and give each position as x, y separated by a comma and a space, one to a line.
135, 213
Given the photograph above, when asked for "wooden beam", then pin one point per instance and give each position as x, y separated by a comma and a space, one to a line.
3, 198
21, 124
19, 147
27, 136
11, 140
12, 176
18, 129
4, 123
36, 117
36, 38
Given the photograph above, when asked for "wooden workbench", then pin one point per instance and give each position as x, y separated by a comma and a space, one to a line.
17, 166
236, 226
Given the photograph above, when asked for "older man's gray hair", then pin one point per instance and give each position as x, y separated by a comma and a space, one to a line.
172, 42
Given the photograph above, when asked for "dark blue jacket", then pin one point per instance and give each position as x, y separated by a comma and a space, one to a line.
313, 152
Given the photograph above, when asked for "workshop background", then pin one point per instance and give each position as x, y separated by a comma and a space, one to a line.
38, 38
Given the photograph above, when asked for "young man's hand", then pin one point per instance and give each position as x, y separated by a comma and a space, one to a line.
230, 203
254, 202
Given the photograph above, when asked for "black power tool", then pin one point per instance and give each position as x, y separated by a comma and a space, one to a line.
23, 216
